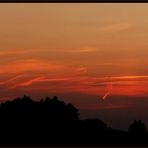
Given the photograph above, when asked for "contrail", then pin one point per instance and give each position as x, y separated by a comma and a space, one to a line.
109, 87
104, 97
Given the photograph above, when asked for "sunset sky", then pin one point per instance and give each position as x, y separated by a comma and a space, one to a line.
92, 55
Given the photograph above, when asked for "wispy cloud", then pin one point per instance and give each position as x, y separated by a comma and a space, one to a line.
38, 80
114, 78
21, 66
116, 27
11, 79
16, 52
82, 50
27, 83
81, 69
129, 85
90, 85
11, 52
130, 77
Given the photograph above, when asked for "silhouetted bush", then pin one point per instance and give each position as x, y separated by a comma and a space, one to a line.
137, 128
52, 122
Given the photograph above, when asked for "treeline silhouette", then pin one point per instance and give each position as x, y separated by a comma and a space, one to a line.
51, 122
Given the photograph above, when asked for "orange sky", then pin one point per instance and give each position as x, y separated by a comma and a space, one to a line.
83, 50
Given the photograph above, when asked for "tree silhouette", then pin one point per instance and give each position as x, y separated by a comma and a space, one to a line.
137, 128
52, 122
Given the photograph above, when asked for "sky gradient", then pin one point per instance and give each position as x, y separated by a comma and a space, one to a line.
92, 55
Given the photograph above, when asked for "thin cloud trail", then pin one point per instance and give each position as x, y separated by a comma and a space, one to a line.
105, 96
109, 88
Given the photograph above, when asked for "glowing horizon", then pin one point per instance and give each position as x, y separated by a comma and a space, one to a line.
59, 49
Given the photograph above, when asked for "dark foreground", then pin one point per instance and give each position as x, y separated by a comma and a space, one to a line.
50, 122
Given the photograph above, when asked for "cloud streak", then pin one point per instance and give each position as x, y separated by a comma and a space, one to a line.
12, 52
38, 80
11, 80
89, 85
16, 52
27, 65
116, 27
83, 50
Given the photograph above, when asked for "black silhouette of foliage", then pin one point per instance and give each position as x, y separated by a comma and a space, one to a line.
137, 133
52, 122
137, 128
